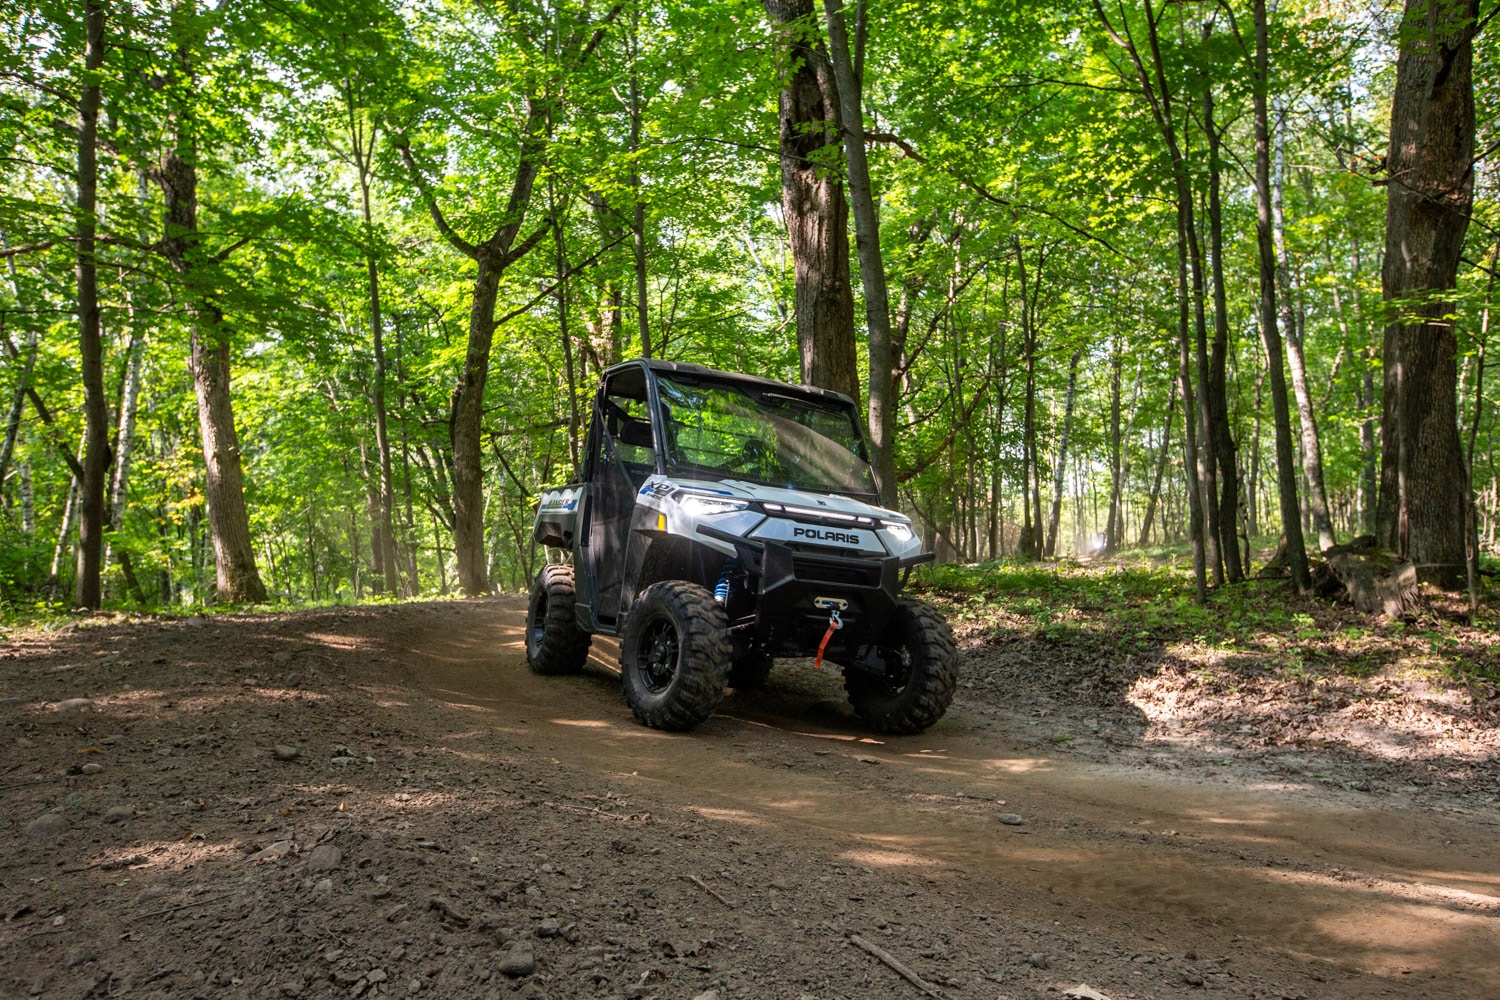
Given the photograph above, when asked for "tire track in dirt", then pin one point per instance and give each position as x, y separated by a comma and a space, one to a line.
1389, 893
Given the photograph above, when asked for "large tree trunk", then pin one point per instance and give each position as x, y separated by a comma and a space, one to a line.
1424, 500
882, 410
812, 197
229, 522
466, 431
88, 592
1286, 463
224, 485
1291, 324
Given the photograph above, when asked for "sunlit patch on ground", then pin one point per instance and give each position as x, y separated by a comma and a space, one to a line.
885, 858
736, 816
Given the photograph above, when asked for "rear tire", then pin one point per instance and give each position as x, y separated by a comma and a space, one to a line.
750, 672
554, 642
921, 672
674, 655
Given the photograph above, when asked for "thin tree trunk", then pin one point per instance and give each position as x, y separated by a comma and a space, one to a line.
493, 257
1286, 469
125, 436
1113, 529
1161, 468
18, 405
1215, 389
638, 217
28, 501
88, 591
362, 139
1062, 454
882, 409
812, 197
1312, 450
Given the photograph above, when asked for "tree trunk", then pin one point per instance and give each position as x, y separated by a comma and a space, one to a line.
229, 523
1191, 459
1286, 468
1423, 503
1062, 455
1114, 530
1216, 390
96, 458
18, 405
362, 138
466, 431
28, 501
493, 257
812, 198
882, 410
125, 435
1312, 449
1161, 468
638, 216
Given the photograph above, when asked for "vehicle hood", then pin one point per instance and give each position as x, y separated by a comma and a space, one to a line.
833, 502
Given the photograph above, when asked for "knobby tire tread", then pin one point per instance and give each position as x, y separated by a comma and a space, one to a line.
930, 690
564, 647
704, 657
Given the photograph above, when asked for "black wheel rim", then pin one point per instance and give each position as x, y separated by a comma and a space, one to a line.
897, 661
538, 623
656, 655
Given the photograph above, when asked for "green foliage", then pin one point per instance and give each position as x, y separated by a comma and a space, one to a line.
1025, 202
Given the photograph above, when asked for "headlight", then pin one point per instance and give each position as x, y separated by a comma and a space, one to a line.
700, 505
900, 530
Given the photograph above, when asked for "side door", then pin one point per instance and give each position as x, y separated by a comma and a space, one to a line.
620, 459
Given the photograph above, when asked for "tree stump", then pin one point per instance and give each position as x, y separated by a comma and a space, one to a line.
1376, 581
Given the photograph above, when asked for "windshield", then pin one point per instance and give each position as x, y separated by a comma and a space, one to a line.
730, 430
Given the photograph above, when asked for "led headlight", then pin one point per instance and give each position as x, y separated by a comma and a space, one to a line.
900, 530
700, 505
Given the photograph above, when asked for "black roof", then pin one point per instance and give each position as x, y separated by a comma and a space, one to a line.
673, 367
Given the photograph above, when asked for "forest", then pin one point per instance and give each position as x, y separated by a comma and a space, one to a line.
305, 301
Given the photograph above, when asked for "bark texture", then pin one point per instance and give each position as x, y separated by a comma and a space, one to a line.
812, 197
88, 591
1424, 486
882, 409
1286, 467
237, 577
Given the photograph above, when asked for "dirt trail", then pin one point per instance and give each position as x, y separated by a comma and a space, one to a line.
1267, 869
383, 801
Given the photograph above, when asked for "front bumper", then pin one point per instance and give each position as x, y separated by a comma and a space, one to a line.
784, 617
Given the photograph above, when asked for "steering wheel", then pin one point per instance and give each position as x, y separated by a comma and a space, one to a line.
753, 452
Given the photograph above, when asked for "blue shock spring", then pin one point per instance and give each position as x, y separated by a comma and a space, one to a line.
721, 589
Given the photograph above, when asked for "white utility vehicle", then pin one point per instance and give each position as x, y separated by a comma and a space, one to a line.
724, 521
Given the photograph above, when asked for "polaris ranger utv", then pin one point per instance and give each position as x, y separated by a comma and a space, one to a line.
724, 521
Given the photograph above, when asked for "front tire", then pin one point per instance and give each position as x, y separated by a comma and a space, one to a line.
921, 671
554, 642
674, 655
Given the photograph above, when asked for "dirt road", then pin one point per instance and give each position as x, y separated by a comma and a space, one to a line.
1395, 894
478, 814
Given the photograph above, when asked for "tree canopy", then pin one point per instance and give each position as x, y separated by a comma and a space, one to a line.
357, 266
